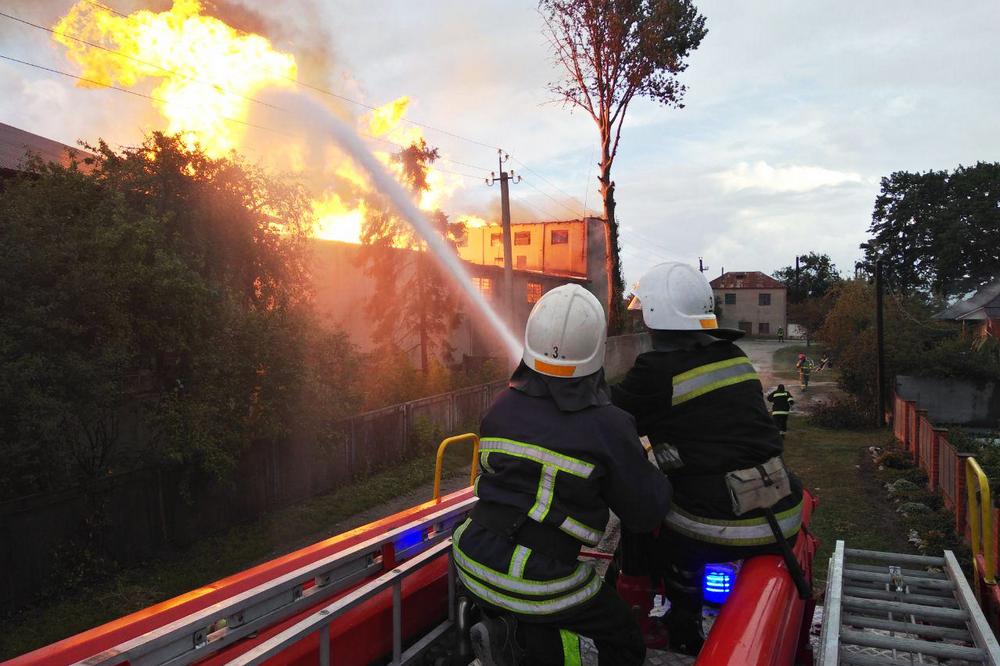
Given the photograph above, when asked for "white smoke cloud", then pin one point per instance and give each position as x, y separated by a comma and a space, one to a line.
795, 178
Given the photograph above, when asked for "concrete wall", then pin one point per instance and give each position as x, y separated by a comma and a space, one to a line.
953, 401
622, 350
747, 309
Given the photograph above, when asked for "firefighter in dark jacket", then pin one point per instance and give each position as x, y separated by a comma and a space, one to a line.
698, 399
555, 456
781, 403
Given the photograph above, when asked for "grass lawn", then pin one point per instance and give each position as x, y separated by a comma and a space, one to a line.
216, 557
836, 467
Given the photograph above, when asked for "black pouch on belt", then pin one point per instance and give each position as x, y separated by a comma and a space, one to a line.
514, 525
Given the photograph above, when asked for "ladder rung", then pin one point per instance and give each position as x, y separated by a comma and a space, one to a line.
913, 645
930, 612
848, 657
894, 558
907, 573
922, 599
927, 630
912, 581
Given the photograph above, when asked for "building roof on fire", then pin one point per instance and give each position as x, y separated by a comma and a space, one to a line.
746, 280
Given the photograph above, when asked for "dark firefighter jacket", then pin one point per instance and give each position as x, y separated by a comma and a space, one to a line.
781, 402
560, 470
701, 395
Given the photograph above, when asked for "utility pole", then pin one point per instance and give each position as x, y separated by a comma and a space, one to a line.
508, 259
796, 276
879, 347
701, 265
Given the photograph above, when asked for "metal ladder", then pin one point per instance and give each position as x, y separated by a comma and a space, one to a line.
878, 611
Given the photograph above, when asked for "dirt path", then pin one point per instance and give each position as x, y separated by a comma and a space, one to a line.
822, 385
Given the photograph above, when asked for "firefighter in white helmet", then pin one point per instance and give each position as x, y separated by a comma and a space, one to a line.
698, 399
555, 456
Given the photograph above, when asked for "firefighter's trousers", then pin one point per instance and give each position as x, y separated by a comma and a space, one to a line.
560, 638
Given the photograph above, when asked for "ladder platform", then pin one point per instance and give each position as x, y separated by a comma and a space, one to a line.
877, 613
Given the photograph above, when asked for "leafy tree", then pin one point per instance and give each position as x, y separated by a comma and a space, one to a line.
412, 298
155, 308
914, 343
611, 52
816, 275
938, 232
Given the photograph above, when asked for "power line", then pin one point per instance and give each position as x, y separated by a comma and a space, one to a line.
530, 170
546, 194
127, 91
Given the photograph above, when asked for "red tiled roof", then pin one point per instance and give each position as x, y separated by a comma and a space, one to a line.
16, 145
746, 280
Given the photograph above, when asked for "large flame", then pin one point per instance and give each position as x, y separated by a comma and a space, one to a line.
205, 73
206, 70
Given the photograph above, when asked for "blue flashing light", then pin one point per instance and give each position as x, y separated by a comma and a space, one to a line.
717, 582
409, 539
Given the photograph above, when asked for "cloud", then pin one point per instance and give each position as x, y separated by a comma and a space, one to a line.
762, 176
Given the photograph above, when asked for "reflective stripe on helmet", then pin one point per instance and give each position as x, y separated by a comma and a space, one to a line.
706, 378
748, 532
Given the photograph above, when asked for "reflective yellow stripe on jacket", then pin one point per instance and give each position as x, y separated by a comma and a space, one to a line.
746, 532
513, 592
707, 378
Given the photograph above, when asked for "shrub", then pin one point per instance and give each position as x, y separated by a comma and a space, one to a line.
843, 412
895, 459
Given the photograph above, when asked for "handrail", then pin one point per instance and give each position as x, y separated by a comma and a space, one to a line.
439, 463
980, 512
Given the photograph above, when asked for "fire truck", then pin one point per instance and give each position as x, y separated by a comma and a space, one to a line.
386, 593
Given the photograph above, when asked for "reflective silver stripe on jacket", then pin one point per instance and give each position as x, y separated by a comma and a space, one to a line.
528, 606
518, 561
539, 454
584, 533
749, 532
706, 378
543, 496
471, 567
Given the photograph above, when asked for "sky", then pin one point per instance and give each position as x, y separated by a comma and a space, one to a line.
794, 111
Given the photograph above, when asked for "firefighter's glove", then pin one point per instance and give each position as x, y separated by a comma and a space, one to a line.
667, 457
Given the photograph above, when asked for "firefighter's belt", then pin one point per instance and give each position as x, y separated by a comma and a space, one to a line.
515, 526
758, 487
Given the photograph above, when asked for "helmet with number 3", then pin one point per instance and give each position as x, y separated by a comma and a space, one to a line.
566, 333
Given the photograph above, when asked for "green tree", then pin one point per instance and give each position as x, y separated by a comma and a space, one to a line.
413, 306
816, 275
155, 308
938, 232
612, 52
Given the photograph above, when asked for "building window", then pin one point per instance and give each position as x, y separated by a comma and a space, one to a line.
521, 261
763, 328
522, 238
730, 299
560, 236
746, 327
534, 291
496, 240
763, 299
484, 285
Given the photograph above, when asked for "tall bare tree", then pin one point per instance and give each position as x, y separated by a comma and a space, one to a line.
611, 52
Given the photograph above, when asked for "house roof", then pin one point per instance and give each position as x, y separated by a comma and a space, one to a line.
746, 280
16, 145
984, 304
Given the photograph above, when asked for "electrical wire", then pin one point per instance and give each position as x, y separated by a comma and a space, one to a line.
530, 170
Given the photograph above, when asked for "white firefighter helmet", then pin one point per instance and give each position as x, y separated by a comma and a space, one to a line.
566, 333
677, 297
